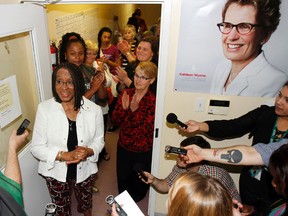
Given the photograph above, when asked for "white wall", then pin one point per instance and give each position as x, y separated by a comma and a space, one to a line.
182, 104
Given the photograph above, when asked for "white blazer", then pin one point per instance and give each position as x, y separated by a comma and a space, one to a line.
50, 135
258, 78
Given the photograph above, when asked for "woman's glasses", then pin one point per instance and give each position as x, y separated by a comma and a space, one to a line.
141, 77
68, 83
242, 28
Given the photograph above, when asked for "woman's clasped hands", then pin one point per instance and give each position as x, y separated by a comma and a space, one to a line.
76, 156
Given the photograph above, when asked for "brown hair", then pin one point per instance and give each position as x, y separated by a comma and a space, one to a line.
196, 194
268, 12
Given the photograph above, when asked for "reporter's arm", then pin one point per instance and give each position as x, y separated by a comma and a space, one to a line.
237, 155
12, 169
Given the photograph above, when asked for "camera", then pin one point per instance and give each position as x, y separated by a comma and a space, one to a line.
110, 200
175, 150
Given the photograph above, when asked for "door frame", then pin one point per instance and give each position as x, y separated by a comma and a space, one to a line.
166, 9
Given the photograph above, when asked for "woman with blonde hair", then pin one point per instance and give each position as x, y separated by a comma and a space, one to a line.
135, 113
91, 61
196, 194
128, 46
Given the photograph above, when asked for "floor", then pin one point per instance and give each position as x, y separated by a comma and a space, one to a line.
107, 182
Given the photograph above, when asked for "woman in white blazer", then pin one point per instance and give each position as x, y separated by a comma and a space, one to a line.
67, 139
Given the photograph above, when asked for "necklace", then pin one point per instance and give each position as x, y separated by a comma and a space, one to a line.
71, 125
277, 135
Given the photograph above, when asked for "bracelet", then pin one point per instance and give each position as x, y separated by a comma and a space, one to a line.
60, 155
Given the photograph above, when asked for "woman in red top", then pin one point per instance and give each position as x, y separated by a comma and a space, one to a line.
135, 113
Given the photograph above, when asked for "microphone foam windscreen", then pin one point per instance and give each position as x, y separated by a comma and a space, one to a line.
171, 118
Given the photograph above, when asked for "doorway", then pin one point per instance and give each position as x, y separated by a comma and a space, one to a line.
165, 11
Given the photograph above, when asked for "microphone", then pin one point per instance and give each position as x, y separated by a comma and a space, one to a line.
110, 200
138, 169
174, 150
172, 118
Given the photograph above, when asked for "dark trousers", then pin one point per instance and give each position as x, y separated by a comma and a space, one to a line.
127, 175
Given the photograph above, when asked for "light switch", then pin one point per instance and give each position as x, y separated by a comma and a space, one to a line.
199, 105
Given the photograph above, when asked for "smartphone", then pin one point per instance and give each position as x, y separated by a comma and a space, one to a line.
175, 150
23, 127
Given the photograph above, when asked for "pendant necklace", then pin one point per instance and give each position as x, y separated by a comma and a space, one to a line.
70, 124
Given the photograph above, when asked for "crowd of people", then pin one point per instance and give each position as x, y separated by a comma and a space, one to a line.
96, 82
85, 97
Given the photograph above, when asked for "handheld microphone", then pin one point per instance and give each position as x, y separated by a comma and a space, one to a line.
172, 118
138, 168
110, 200
174, 150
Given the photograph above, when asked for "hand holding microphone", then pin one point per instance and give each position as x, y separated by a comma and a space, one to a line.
138, 168
172, 118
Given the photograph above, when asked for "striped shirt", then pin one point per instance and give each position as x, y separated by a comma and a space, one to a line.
213, 171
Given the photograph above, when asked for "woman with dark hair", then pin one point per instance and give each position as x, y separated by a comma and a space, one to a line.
63, 42
108, 52
75, 51
278, 167
67, 139
265, 125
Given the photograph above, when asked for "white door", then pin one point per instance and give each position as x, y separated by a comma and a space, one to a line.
25, 52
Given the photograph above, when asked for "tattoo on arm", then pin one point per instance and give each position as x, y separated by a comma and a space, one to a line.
233, 156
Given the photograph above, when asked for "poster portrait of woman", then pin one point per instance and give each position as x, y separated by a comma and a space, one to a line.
235, 48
